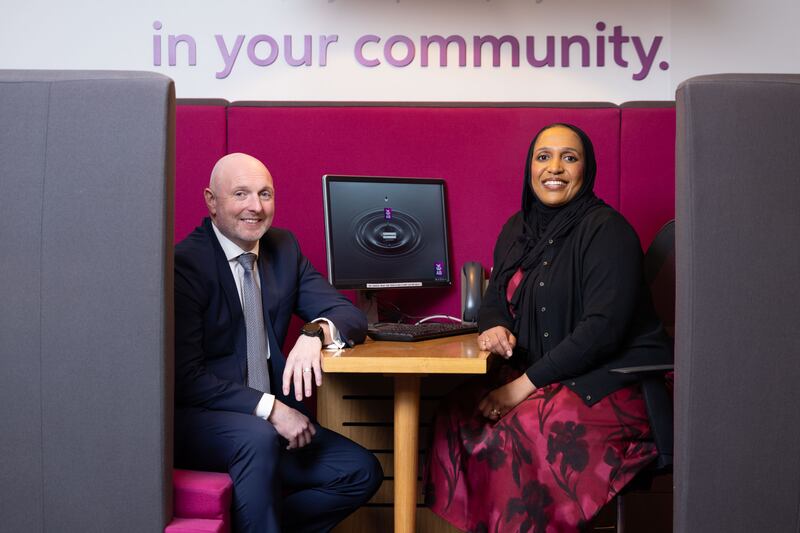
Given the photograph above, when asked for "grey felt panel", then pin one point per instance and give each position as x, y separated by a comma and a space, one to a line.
23, 114
105, 312
737, 465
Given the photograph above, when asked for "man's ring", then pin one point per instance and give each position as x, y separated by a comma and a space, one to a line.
307, 369
495, 412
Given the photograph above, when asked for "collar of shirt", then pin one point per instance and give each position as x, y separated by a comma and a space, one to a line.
232, 251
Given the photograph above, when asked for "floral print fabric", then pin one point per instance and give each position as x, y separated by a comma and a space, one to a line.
548, 466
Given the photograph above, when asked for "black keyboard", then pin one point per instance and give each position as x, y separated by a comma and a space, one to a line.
391, 331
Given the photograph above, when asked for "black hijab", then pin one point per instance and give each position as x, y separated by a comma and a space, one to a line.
539, 226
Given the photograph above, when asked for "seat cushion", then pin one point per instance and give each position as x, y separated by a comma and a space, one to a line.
205, 495
195, 525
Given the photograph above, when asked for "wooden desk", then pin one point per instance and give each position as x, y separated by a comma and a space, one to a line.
407, 362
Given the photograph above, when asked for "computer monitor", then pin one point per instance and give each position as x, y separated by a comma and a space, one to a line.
385, 232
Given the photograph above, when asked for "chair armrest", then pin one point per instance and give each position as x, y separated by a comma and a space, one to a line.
644, 369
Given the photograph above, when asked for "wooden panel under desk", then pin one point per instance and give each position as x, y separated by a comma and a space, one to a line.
360, 407
357, 401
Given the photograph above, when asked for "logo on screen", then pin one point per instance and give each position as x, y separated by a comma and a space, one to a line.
438, 269
387, 213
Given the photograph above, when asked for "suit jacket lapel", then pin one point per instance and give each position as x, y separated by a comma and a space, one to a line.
276, 360
228, 285
225, 275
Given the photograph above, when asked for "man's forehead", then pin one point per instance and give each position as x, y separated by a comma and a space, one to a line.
249, 177
246, 175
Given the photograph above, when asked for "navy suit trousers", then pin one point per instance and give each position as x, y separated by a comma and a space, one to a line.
274, 489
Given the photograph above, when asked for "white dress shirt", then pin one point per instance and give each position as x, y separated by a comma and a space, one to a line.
232, 252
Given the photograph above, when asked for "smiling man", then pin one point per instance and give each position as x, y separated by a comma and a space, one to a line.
237, 283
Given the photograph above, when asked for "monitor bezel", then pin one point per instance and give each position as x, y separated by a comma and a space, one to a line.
363, 284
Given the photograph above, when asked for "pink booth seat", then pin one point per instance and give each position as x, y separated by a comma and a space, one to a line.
196, 525
202, 502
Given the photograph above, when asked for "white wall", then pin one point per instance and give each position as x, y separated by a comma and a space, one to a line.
697, 37
715, 36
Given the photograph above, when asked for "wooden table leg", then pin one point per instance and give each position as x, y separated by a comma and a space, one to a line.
406, 451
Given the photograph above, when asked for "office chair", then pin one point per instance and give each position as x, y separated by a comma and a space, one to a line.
659, 273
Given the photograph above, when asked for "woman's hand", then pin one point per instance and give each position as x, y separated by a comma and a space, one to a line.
498, 340
497, 403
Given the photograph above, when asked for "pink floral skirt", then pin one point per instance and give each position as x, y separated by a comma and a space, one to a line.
548, 466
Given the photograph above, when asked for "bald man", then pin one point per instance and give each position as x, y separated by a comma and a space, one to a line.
238, 399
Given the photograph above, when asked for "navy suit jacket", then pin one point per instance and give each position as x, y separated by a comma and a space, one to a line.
210, 336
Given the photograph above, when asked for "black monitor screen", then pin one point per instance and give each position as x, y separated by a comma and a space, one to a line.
385, 232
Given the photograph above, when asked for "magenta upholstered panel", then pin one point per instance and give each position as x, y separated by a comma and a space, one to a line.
200, 140
479, 151
647, 168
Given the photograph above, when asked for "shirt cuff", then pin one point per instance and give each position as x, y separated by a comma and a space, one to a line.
337, 339
265, 405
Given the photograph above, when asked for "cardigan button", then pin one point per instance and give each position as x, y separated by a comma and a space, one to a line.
544, 309
545, 263
541, 283
550, 241
573, 383
588, 397
546, 334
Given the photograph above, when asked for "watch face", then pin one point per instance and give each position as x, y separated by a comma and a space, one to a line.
312, 329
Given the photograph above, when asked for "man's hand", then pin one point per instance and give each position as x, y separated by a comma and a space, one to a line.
303, 365
497, 340
292, 425
500, 401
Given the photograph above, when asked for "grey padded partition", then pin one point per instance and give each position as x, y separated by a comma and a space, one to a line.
737, 465
86, 345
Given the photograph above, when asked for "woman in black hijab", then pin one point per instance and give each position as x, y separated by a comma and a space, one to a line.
550, 436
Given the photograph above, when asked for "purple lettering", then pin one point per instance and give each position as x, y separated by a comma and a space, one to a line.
324, 42
426, 41
273, 52
646, 59
157, 45
228, 58
601, 45
174, 40
550, 58
388, 50
287, 51
618, 39
567, 42
496, 43
359, 50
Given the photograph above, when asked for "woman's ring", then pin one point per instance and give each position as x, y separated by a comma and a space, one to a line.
495, 412
307, 369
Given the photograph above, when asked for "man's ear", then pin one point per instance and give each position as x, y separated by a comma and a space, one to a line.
211, 201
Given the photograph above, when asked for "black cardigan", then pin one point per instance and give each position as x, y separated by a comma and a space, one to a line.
593, 309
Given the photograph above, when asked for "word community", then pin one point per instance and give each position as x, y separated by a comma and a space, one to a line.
606, 48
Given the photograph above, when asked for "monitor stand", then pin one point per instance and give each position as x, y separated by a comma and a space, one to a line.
367, 301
